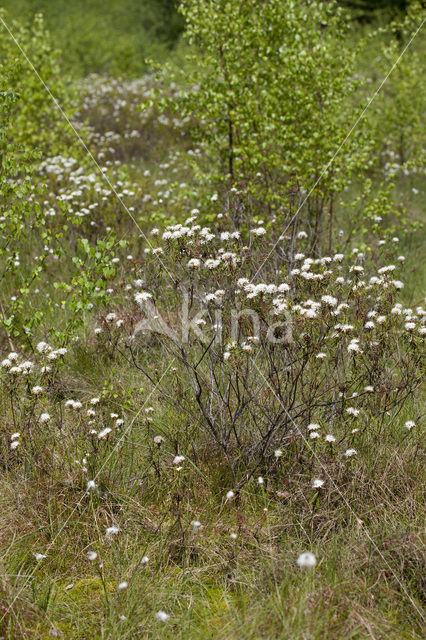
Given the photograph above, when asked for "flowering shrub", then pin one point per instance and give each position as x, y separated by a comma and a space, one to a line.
210, 383
319, 348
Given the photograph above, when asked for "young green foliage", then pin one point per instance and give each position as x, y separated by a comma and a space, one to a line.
271, 95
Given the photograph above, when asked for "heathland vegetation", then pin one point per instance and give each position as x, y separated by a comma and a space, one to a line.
211, 320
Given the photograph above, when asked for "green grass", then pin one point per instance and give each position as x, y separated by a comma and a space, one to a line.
366, 528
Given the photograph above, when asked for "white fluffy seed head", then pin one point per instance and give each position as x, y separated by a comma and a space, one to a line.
111, 531
306, 560
162, 616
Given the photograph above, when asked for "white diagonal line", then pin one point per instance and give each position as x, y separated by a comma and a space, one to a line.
355, 124
117, 444
83, 144
345, 500
81, 141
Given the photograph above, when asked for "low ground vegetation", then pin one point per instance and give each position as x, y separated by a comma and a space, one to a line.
212, 336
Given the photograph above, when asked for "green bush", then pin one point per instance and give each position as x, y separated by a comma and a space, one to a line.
271, 99
97, 37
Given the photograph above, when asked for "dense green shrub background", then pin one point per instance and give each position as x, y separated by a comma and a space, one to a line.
96, 36
118, 35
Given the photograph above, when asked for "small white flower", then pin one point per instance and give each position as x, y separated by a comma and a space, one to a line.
43, 347
91, 485
104, 433
307, 560
158, 439
353, 412
314, 435
92, 555
330, 438
178, 459
260, 231
14, 444
196, 525
260, 480
74, 404
317, 483
329, 300
142, 296
353, 346
278, 453
36, 390
211, 263
313, 426
39, 556
233, 536
194, 263
230, 495
350, 452
26, 367
409, 424
45, 417
122, 585
145, 560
